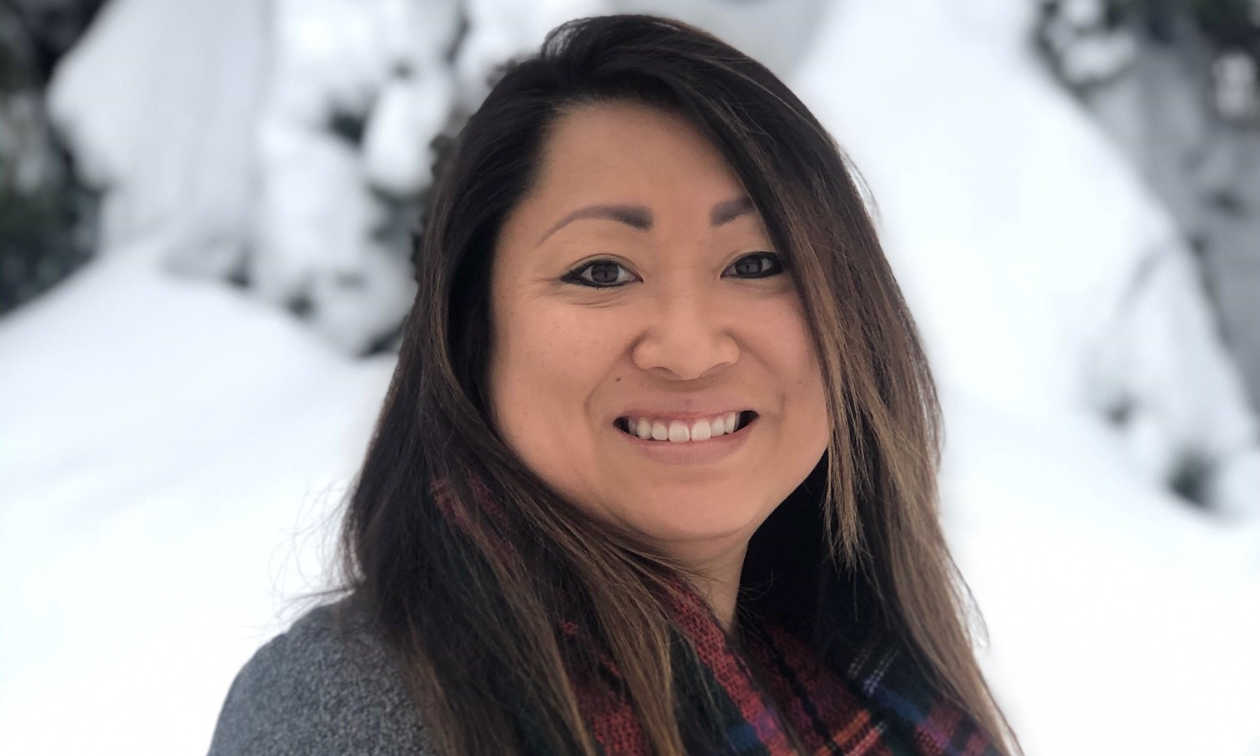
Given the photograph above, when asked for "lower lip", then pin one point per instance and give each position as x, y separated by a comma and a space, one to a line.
690, 452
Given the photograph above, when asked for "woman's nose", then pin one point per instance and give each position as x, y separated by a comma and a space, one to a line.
688, 335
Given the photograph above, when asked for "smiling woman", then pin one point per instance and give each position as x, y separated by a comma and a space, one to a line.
650, 358
656, 472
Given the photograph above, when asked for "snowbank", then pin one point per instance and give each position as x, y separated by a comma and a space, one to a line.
171, 453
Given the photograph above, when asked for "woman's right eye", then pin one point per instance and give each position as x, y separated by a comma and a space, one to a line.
600, 274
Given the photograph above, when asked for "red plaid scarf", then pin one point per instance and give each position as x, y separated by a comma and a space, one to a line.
875, 702
883, 707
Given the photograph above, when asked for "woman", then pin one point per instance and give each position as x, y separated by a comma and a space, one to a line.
656, 472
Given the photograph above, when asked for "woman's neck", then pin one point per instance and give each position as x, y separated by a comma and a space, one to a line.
716, 579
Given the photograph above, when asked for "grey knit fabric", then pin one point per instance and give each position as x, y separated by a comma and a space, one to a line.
327, 686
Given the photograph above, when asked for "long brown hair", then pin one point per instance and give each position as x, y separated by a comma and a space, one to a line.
468, 594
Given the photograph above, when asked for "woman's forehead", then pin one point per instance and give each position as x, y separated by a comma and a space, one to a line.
640, 161
628, 143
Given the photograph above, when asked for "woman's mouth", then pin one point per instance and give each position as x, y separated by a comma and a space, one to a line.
679, 432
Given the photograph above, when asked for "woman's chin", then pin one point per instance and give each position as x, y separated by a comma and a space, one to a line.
686, 523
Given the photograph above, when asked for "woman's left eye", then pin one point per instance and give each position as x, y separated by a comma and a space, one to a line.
600, 274
756, 265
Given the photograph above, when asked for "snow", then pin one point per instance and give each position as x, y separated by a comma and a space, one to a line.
1236, 86
158, 100
208, 123
314, 228
1120, 622
778, 33
1047, 283
1045, 276
173, 453
499, 30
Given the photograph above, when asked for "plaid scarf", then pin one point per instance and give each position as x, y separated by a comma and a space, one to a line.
870, 700
774, 683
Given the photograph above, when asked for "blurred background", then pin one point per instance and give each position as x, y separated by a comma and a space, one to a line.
205, 212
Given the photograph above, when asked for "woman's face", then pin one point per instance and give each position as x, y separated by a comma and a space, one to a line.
639, 312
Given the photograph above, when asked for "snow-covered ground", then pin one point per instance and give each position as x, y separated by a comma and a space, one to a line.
169, 454
172, 453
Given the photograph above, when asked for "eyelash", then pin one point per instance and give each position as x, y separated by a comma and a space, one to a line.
576, 276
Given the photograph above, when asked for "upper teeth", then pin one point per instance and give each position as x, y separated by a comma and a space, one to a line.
678, 431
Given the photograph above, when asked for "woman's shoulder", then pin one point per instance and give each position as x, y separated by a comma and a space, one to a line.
329, 685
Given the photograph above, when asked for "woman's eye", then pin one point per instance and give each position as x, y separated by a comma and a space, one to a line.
756, 265
600, 274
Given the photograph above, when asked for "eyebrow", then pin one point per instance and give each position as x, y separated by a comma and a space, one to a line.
725, 212
640, 218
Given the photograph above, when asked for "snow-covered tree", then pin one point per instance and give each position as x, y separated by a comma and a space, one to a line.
1182, 104
357, 92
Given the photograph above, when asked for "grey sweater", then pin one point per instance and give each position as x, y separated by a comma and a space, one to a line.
327, 686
